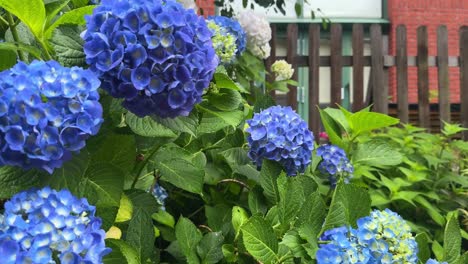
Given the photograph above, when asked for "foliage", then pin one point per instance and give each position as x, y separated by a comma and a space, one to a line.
184, 190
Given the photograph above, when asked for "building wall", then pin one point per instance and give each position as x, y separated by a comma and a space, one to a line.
432, 13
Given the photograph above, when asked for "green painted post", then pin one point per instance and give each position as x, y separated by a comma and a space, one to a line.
346, 73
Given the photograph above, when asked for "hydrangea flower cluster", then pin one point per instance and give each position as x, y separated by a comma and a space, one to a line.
160, 194
334, 163
154, 54
47, 112
234, 28
278, 133
223, 43
258, 33
282, 70
382, 237
40, 224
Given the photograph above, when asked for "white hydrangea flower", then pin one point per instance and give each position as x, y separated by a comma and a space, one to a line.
189, 4
258, 32
282, 70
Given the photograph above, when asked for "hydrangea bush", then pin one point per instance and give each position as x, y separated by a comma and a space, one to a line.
183, 156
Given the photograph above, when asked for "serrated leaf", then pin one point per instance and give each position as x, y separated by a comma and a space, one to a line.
125, 209
332, 129
68, 46
53, 8
140, 234
104, 149
291, 198
225, 99
424, 253
188, 237
8, 46
368, 121
257, 202
339, 117
32, 13
213, 120
14, 180
312, 213
182, 174
239, 217
164, 218
73, 17
377, 153
187, 124
268, 179
235, 157
260, 240
121, 251
147, 127
452, 239
223, 81
349, 203
209, 249
294, 242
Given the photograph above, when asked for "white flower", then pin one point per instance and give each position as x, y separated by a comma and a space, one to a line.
189, 4
282, 70
258, 32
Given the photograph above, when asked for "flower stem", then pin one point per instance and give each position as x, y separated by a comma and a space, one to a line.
14, 33
47, 55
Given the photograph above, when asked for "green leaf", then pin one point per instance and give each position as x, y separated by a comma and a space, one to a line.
8, 58
182, 174
291, 198
125, 212
68, 46
121, 155
424, 252
268, 179
312, 213
209, 249
257, 202
147, 127
332, 128
260, 240
53, 8
121, 251
229, 253
452, 239
239, 217
437, 249
368, 121
214, 120
223, 81
349, 203
140, 234
298, 9
235, 157
339, 117
225, 100
187, 124
14, 180
8, 46
377, 153
188, 237
452, 129
143, 200
32, 14
432, 210
73, 17
294, 242
164, 218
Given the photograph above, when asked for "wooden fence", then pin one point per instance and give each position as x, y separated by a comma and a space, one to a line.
379, 61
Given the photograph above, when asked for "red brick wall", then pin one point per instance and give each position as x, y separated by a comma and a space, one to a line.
432, 13
207, 6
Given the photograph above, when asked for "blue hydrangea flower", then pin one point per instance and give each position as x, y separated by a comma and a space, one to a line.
278, 133
223, 42
41, 225
433, 261
334, 163
160, 194
47, 112
233, 28
154, 54
382, 237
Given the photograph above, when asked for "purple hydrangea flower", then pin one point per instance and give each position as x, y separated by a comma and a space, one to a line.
47, 112
278, 133
382, 237
154, 54
334, 163
41, 225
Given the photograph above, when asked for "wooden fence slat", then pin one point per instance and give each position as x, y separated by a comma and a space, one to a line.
272, 58
443, 75
314, 78
378, 94
464, 78
423, 78
402, 73
292, 36
336, 64
358, 67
